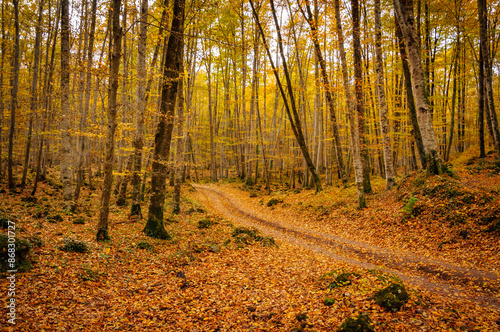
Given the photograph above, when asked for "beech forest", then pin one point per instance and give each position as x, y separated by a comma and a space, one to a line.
250, 165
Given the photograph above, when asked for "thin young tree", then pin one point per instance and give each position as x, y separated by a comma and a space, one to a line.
171, 75
14, 83
114, 66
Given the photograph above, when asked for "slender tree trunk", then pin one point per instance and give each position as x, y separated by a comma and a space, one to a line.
47, 94
453, 100
295, 119
410, 100
171, 73
85, 111
14, 83
2, 102
66, 147
114, 66
339, 154
179, 148
482, 150
358, 167
483, 34
404, 14
383, 113
358, 82
33, 92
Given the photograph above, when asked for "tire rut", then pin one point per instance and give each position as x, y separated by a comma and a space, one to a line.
433, 275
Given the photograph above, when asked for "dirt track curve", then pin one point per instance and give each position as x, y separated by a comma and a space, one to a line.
430, 274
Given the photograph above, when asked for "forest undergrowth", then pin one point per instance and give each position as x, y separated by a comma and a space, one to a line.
217, 275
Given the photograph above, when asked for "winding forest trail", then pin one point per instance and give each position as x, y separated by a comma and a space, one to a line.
433, 275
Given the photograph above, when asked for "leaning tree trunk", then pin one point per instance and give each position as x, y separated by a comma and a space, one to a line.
114, 65
293, 115
66, 160
171, 74
339, 154
404, 14
384, 123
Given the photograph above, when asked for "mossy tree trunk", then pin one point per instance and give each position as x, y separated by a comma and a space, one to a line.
171, 75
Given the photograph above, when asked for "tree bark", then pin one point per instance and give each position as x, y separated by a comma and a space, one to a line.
358, 167
383, 113
358, 90
171, 73
114, 65
66, 147
404, 14
483, 35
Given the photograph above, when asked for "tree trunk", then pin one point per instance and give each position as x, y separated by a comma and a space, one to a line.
179, 148
383, 113
483, 34
482, 150
404, 14
339, 154
33, 91
171, 73
295, 118
85, 112
358, 167
358, 89
114, 65
65, 155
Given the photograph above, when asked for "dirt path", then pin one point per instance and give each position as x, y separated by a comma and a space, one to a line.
430, 274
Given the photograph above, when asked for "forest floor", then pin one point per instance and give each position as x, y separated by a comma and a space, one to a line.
438, 235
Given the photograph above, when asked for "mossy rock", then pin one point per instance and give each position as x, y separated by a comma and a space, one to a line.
362, 323
21, 252
145, 245
79, 221
341, 280
393, 297
205, 223
243, 235
36, 242
253, 194
274, 201
55, 218
328, 301
74, 245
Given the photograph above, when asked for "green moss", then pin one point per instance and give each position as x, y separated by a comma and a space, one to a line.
274, 201
156, 230
74, 245
145, 245
392, 297
362, 323
205, 223
341, 280
328, 301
